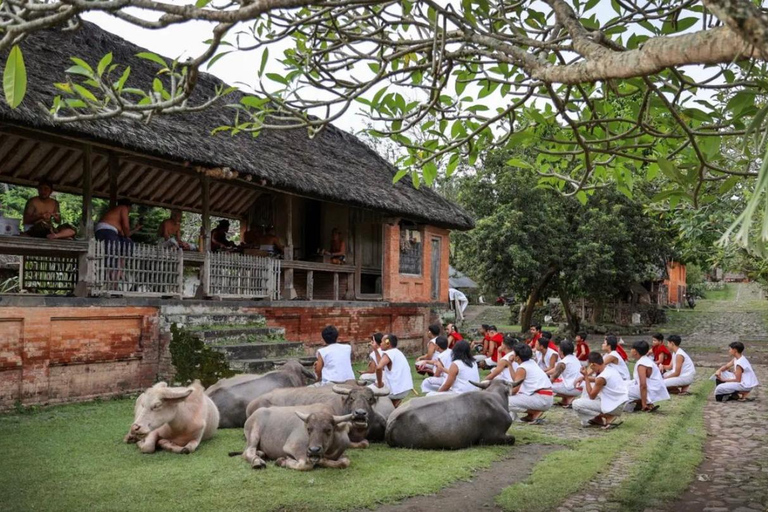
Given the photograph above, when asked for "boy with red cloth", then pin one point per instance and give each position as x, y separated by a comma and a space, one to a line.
661, 354
582, 349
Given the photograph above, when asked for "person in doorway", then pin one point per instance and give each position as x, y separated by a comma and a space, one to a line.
338, 252
369, 375
424, 364
681, 372
533, 396
460, 372
442, 361
736, 384
170, 231
393, 366
612, 356
582, 348
604, 399
567, 372
647, 389
334, 360
42, 212
661, 354
115, 226
219, 240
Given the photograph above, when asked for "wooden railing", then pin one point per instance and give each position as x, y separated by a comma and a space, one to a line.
131, 269
232, 275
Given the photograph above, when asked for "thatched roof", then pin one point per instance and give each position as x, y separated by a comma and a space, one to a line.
334, 166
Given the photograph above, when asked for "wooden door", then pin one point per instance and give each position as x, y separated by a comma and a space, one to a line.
435, 267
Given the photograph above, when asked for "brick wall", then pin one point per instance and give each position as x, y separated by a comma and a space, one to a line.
408, 288
57, 354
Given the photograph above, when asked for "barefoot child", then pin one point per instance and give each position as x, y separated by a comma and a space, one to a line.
647, 389
604, 399
681, 372
738, 383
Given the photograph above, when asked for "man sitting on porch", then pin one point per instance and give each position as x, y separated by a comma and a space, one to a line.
170, 231
338, 252
219, 240
115, 226
40, 212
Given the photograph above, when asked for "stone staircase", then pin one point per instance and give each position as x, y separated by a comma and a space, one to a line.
244, 338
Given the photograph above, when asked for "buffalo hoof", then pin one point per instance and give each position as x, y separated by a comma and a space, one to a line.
258, 464
185, 451
130, 439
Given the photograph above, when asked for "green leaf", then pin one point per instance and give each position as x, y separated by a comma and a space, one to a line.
103, 63
15, 78
582, 197
452, 164
686, 23
79, 70
157, 85
277, 78
216, 58
669, 170
253, 101
399, 175
73, 103
728, 184
152, 57
741, 101
415, 180
82, 64
202, 3
123, 78
430, 173
516, 162
264, 59
374, 66
85, 93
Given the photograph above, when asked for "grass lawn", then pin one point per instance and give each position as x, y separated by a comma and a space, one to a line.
727, 293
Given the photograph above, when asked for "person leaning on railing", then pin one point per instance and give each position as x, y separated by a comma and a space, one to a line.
114, 225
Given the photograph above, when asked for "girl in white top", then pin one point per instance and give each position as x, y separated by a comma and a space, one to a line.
462, 370
567, 371
506, 367
681, 371
604, 399
738, 383
369, 375
611, 356
334, 361
647, 388
534, 395
393, 366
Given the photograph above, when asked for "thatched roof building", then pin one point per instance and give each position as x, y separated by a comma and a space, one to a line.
334, 166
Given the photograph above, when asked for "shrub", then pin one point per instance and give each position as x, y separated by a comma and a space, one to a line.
193, 359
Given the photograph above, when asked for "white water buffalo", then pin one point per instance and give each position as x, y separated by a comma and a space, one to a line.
358, 401
452, 421
174, 419
233, 395
297, 437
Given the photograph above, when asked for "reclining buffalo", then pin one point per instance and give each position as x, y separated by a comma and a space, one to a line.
233, 395
361, 402
453, 421
299, 438
174, 419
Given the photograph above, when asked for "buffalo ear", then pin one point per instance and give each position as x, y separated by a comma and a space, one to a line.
303, 416
160, 385
482, 385
341, 390
308, 373
175, 393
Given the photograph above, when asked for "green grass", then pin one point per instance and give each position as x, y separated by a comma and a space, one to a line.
727, 293
72, 458
565, 472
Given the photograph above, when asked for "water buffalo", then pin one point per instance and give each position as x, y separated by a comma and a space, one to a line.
297, 437
452, 421
359, 401
233, 395
175, 419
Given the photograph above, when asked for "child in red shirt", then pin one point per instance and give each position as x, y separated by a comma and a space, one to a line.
661, 354
582, 349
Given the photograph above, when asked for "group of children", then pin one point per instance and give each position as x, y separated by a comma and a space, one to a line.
598, 386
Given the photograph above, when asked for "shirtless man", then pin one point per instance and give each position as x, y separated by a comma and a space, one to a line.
115, 226
338, 252
170, 230
41, 211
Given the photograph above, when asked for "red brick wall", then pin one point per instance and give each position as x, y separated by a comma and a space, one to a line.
676, 282
407, 288
355, 324
56, 354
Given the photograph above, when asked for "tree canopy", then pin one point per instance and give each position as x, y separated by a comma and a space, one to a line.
602, 92
533, 241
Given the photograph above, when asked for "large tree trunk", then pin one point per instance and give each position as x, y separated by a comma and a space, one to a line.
573, 319
527, 313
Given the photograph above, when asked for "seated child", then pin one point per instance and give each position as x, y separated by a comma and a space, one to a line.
393, 367
647, 389
582, 349
442, 361
334, 361
605, 398
369, 376
506, 368
661, 354
735, 385
533, 396
681, 372
567, 372
460, 371
423, 363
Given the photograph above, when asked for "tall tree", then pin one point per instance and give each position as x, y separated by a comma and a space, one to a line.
534, 242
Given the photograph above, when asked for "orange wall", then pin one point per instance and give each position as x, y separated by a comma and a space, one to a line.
408, 288
676, 280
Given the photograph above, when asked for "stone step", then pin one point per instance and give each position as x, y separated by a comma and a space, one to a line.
217, 319
264, 365
252, 351
221, 335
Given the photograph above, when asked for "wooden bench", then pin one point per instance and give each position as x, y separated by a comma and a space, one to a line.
29, 246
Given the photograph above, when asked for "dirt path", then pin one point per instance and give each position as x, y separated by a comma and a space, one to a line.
478, 493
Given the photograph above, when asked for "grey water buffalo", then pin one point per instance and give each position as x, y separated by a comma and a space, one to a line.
452, 421
358, 401
174, 419
297, 437
233, 395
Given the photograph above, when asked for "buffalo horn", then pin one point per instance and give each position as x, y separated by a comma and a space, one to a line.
342, 419
482, 385
303, 416
341, 390
309, 374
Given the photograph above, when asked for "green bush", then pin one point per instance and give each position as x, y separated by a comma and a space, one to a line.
193, 359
